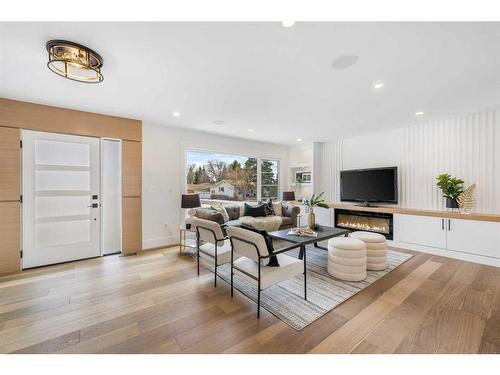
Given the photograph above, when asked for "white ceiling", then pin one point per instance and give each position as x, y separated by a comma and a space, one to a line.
278, 81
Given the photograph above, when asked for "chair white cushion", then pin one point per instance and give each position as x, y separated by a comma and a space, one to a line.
223, 252
368, 236
346, 243
289, 267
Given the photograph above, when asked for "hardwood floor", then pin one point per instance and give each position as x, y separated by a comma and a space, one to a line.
155, 303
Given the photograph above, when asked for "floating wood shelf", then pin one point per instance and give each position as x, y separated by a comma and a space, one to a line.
419, 212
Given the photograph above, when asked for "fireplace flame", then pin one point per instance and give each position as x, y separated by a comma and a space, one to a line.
371, 224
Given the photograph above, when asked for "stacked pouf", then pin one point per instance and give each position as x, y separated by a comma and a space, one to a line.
376, 249
347, 258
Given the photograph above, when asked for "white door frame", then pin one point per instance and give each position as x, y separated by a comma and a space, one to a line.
101, 142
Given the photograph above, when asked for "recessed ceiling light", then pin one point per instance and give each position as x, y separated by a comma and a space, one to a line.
419, 113
250, 130
176, 114
299, 139
345, 61
288, 23
378, 85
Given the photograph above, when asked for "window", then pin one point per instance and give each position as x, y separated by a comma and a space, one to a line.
231, 177
269, 170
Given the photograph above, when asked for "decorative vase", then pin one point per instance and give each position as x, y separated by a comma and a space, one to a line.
312, 220
451, 203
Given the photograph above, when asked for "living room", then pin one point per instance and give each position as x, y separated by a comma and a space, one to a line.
262, 186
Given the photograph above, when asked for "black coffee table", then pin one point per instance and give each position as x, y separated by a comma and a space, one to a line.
324, 233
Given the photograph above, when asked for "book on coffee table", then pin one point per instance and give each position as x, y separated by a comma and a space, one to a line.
302, 232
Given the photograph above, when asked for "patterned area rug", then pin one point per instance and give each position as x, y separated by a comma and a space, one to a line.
286, 300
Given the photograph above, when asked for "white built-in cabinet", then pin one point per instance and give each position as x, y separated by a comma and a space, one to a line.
466, 236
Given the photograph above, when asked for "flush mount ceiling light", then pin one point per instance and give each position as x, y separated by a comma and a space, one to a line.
419, 113
299, 139
288, 23
250, 130
176, 114
378, 85
74, 61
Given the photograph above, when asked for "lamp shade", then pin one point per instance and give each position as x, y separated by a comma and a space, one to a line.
190, 201
288, 195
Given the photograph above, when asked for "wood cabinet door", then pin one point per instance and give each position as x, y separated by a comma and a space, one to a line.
475, 237
10, 237
10, 164
420, 230
131, 169
132, 225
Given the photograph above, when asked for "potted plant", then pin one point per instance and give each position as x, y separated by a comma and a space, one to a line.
451, 187
315, 201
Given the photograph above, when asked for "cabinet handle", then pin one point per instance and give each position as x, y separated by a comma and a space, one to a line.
449, 224
442, 224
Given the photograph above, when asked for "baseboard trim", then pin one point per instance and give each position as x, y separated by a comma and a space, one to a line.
158, 243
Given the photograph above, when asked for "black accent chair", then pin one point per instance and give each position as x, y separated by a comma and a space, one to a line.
253, 259
215, 247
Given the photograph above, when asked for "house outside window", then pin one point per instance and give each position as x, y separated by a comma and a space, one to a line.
231, 177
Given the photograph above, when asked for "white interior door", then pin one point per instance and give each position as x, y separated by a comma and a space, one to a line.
60, 198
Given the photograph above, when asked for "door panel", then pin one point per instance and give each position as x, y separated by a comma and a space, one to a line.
420, 230
60, 176
475, 237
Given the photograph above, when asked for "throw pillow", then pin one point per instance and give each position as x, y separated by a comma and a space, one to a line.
273, 259
223, 212
254, 211
269, 207
277, 206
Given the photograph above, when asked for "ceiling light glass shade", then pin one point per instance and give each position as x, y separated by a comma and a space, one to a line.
74, 61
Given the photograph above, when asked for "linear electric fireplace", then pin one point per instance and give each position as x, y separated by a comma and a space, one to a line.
363, 220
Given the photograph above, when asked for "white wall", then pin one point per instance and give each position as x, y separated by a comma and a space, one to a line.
163, 169
466, 146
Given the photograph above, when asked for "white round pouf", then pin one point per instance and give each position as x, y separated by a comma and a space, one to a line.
347, 258
376, 249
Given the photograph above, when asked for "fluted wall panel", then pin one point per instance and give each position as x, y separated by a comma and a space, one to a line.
467, 147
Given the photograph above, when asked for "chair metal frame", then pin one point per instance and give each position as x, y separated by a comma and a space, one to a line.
216, 241
260, 257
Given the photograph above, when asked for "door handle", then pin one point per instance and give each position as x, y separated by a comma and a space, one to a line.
93, 205
442, 224
449, 224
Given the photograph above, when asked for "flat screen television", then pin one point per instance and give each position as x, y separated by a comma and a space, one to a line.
374, 185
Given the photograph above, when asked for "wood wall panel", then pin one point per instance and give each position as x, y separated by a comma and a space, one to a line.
131, 169
10, 237
132, 225
10, 164
31, 116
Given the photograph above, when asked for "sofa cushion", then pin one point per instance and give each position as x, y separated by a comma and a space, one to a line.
255, 211
278, 208
222, 210
286, 221
209, 214
233, 212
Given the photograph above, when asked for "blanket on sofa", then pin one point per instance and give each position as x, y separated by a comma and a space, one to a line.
267, 223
